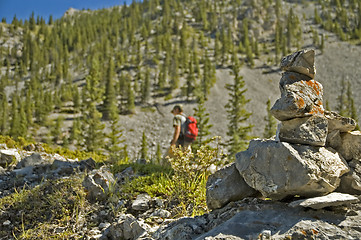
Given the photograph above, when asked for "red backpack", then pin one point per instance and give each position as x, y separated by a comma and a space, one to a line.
191, 129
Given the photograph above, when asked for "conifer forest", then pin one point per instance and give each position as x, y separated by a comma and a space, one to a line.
69, 81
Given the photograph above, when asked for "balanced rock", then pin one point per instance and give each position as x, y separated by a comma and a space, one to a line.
226, 185
350, 147
280, 169
301, 96
301, 62
338, 122
308, 130
351, 181
330, 200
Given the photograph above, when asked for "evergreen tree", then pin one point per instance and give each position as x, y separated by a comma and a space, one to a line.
92, 127
115, 135
130, 100
144, 147
238, 128
23, 122
158, 155
203, 124
56, 130
15, 118
271, 123
110, 105
92, 130
4, 113
146, 86
189, 87
75, 132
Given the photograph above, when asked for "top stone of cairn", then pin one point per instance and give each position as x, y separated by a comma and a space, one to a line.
301, 62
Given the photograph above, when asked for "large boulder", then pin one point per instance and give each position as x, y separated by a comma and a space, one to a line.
300, 97
280, 169
301, 62
308, 130
226, 185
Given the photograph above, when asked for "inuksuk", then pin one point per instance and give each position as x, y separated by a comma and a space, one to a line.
306, 158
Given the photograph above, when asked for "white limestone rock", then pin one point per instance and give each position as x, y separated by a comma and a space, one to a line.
330, 200
350, 147
308, 130
338, 122
301, 62
280, 169
226, 185
300, 97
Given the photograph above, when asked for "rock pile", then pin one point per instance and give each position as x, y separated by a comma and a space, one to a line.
314, 152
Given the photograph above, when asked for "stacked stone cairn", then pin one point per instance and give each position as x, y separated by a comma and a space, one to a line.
313, 154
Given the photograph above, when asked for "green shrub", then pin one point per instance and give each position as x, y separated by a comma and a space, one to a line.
183, 185
35, 212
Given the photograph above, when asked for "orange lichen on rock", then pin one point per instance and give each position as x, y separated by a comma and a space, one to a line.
300, 103
314, 85
317, 110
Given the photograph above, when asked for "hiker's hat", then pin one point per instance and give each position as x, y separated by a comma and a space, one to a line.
177, 106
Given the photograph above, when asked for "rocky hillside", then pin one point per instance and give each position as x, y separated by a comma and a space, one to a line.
304, 25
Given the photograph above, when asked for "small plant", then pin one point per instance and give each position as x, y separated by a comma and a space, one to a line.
35, 212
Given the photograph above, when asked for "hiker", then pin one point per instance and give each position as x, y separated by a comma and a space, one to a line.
179, 127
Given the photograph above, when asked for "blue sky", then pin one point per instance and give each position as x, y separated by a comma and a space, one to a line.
45, 8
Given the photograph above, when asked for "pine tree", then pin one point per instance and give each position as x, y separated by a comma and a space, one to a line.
4, 113
23, 127
203, 124
189, 87
158, 155
238, 129
56, 130
130, 100
271, 123
146, 86
15, 118
342, 104
351, 109
92, 127
92, 130
75, 132
144, 147
110, 105
115, 135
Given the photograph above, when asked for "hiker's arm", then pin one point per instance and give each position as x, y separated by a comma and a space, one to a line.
177, 130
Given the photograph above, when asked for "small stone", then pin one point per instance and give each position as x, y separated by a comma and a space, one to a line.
330, 200
141, 203
6, 223
103, 225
